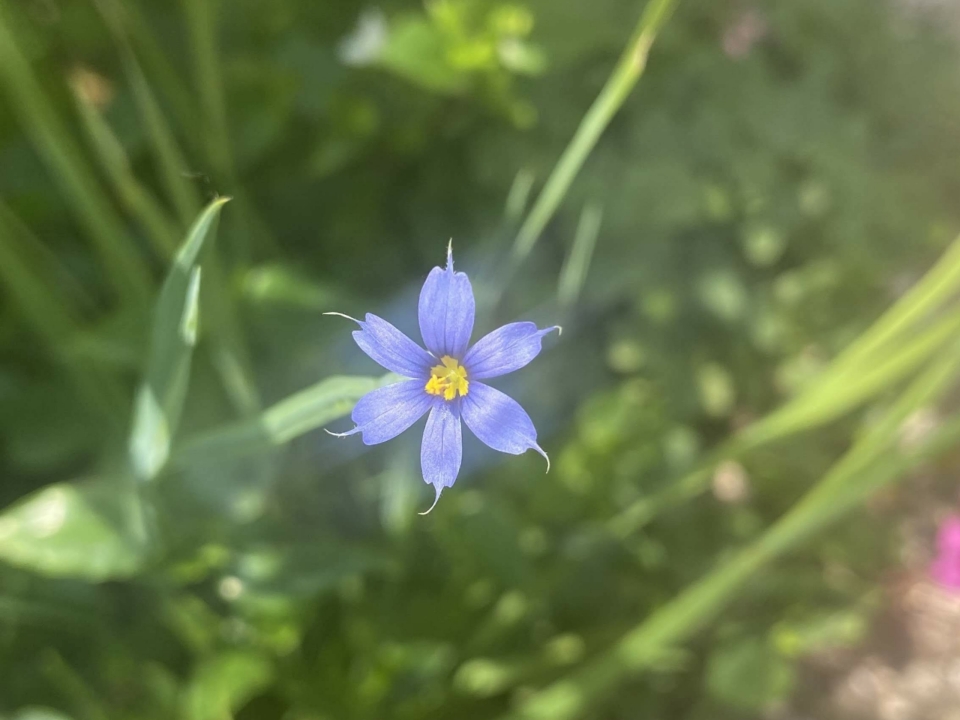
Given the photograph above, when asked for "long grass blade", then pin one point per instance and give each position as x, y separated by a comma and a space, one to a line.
174, 170
937, 285
826, 400
161, 396
201, 16
574, 271
290, 418
616, 90
874, 461
136, 199
126, 269
45, 296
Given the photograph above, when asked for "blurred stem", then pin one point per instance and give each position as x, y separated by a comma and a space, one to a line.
126, 269
173, 167
936, 286
202, 26
229, 348
139, 35
82, 698
839, 389
874, 461
574, 272
616, 90
35, 284
159, 227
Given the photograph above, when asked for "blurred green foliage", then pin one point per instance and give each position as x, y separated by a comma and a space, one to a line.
179, 540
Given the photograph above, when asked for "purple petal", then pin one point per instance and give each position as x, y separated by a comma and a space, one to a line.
392, 349
499, 421
442, 446
504, 350
446, 310
386, 412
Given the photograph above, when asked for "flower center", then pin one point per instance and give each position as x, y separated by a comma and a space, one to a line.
448, 379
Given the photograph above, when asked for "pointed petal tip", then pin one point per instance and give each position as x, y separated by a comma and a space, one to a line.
439, 490
339, 314
545, 457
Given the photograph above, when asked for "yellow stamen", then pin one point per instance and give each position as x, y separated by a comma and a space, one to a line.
448, 379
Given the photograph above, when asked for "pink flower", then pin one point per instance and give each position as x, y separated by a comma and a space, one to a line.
945, 568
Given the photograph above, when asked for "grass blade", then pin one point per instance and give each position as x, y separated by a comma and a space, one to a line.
574, 271
168, 155
202, 26
160, 398
936, 286
616, 90
41, 290
293, 416
138, 201
871, 463
126, 269
840, 388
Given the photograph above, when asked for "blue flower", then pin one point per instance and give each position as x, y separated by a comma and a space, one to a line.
445, 379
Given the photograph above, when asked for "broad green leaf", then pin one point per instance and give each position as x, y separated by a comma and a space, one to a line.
72, 530
223, 684
160, 398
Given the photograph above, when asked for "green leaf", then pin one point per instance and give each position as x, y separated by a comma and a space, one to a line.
39, 713
223, 684
65, 162
575, 267
415, 51
112, 156
169, 157
71, 530
875, 460
160, 398
297, 414
748, 674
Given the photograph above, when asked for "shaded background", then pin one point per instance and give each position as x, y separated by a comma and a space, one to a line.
780, 176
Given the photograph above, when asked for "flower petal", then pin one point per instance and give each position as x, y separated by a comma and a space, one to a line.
386, 412
446, 311
442, 448
391, 348
504, 350
499, 421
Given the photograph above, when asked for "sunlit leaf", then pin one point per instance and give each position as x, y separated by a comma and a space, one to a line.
70, 530
221, 685
160, 398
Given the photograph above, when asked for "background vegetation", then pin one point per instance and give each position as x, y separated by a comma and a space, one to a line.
747, 240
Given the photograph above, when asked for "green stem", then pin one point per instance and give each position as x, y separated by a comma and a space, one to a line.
866, 467
628, 70
126, 269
